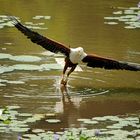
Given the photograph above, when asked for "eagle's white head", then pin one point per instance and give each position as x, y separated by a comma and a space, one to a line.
77, 54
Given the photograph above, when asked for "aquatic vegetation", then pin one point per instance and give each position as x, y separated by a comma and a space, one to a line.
25, 66
35, 27
111, 23
53, 121
9, 119
5, 22
31, 23
20, 58
129, 16
29, 67
71, 134
41, 17
4, 69
106, 127
53, 66
25, 58
3, 82
5, 56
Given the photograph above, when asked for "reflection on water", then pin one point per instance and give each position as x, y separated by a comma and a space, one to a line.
94, 98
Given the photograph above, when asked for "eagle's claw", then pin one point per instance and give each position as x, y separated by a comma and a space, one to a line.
63, 82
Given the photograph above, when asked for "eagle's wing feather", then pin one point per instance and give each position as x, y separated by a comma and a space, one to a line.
45, 42
106, 63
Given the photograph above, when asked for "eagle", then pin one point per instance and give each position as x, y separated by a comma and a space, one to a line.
73, 55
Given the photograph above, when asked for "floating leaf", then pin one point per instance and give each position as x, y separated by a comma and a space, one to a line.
134, 8
53, 121
25, 115
42, 17
5, 56
54, 66
50, 114
13, 107
4, 69
90, 122
7, 121
8, 43
1, 111
18, 129
36, 27
118, 12
31, 23
129, 27
111, 18
111, 23
30, 136
82, 120
129, 11
15, 82
26, 67
131, 16
25, 58
38, 131
2, 85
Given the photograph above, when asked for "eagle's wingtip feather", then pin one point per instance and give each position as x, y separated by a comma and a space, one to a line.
13, 19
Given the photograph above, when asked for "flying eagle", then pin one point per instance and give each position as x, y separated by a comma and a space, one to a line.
73, 55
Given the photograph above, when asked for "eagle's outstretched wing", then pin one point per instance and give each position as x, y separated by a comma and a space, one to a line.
45, 42
100, 62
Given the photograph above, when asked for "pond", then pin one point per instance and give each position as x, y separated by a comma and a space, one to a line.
97, 103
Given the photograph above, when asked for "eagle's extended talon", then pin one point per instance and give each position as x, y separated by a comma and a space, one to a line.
63, 82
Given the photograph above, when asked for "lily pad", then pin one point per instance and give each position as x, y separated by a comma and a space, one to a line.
5, 56
25, 115
38, 131
50, 114
1, 111
25, 58
37, 27
82, 120
4, 69
124, 19
2, 85
134, 8
8, 43
130, 27
129, 11
54, 66
1, 26
13, 107
34, 24
111, 18
90, 122
118, 12
15, 82
26, 67
31, 136
53, 121
131, 15
111, 23
42, 17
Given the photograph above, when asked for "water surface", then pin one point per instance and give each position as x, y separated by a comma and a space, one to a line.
30, 77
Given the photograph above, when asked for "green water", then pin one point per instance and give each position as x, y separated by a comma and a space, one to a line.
91, 92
